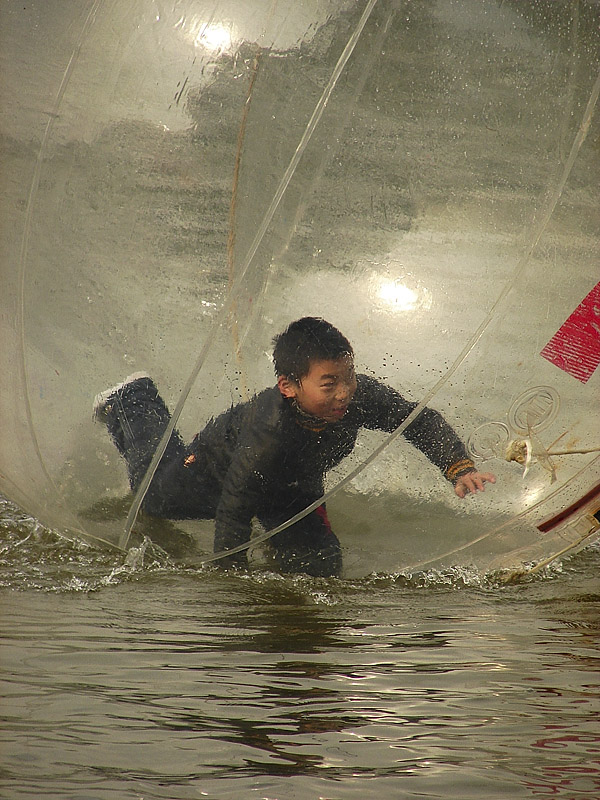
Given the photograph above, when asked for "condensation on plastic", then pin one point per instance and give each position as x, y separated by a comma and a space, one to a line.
181, 181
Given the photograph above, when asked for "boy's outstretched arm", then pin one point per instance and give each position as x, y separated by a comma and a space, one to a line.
386, 409
472, 482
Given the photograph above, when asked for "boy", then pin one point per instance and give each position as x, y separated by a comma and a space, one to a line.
267, 458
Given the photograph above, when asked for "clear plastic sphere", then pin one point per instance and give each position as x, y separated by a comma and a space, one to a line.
182, 181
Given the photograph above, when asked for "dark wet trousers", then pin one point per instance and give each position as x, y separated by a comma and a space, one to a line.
136, 419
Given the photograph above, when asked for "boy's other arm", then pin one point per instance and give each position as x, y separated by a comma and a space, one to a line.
237, 505
243, 492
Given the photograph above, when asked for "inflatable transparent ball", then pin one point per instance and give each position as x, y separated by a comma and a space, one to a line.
183, 181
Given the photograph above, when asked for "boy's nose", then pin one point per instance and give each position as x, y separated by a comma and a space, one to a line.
343, 391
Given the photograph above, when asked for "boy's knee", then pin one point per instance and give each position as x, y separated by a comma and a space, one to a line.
227, 542
320, 559
316, 563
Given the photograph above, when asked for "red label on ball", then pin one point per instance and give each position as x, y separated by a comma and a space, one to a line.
575, 347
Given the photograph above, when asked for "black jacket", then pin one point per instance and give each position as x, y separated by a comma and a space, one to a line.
268, 459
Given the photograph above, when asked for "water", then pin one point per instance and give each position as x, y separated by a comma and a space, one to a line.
161, 681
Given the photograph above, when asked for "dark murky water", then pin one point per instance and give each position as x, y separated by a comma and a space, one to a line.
157, 681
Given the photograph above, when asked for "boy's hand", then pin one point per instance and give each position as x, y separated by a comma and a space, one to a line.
473, 482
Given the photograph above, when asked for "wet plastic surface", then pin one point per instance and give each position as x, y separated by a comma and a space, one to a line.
180, 183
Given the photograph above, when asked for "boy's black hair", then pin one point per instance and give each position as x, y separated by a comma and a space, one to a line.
306, 340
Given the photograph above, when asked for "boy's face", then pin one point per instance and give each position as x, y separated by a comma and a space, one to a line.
326, 391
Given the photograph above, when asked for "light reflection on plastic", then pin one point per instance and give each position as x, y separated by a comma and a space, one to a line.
533, 493
401, 297
214, 37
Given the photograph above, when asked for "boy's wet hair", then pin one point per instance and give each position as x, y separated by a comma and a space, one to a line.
304, 341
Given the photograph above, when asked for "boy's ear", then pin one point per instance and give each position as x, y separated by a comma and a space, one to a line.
287, 386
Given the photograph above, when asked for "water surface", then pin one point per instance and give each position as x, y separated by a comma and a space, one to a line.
161, 681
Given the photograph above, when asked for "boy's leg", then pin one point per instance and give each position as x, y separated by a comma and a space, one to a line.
136, 417
309, 546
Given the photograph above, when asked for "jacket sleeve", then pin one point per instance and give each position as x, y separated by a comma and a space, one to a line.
243, 491
385, 409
